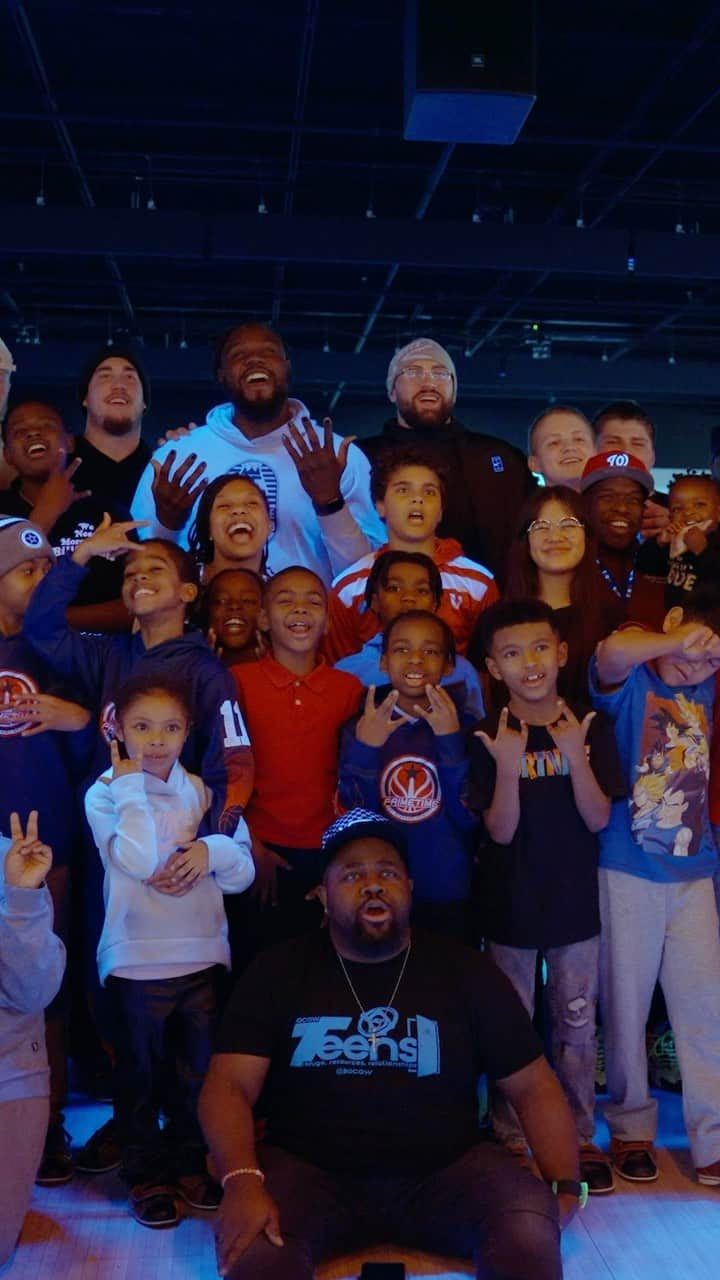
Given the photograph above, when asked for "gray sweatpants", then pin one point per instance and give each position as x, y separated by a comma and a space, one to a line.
665, 932
23, 1125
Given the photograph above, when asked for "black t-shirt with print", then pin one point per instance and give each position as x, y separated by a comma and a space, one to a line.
541, 889
103, 580
413, 1107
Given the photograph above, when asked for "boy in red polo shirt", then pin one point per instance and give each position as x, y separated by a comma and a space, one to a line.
297, 705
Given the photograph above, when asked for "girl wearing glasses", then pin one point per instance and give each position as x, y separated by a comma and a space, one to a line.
552, 558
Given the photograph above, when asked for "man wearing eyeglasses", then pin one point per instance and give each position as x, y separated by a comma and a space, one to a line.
489, 478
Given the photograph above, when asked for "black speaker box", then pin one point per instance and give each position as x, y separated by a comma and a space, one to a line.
469, 69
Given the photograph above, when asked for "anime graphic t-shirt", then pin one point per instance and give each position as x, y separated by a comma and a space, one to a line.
662, 831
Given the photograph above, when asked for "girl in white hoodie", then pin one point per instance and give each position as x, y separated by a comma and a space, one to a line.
165, 932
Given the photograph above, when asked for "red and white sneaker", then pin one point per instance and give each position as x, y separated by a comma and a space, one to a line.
709, 1174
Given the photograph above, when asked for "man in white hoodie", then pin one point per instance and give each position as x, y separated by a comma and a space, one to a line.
318, 489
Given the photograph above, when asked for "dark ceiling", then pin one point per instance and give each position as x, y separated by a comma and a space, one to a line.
169, 167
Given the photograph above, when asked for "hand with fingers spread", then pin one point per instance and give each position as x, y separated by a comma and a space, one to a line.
177, 433
318, 466
188, 864
508, 746
267, 864
378, 722
57, 493
569, 734
175, 496
28, 860
109, 540
49, 712
442, 714
121, 767
247, 1209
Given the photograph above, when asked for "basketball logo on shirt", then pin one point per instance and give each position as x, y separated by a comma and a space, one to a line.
410, 789
108, 723
14, 684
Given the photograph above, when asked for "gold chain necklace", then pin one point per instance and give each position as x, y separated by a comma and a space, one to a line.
380, 1021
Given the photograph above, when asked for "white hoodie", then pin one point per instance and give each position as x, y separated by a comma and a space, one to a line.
326, 544
137, 821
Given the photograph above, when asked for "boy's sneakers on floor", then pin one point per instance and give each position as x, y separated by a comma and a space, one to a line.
709, 1174
663, 1065
596, 1170
634, 1161
200, 1191
153, 1205
57, 1165
101, 1152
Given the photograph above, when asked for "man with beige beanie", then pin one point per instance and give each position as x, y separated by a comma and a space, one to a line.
489, 478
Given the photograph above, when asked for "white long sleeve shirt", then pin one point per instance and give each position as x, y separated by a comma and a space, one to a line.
138, 821
326, 544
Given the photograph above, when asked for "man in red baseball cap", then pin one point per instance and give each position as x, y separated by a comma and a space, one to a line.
615, 487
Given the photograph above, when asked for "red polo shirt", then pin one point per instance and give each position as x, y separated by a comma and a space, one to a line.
294, 724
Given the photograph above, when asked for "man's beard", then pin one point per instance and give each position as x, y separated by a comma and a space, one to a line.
376, 946
431, 421
260, 410
117, 426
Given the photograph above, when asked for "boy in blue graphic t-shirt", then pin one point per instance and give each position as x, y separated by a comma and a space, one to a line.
657, 859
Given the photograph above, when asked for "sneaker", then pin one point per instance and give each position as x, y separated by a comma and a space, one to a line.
663, 1065
153, 1205
709, 1174
57, 1165
596, 1170
200, 1191
634, 1161
101, 1152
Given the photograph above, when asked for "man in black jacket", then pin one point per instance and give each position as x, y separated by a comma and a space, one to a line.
489, 478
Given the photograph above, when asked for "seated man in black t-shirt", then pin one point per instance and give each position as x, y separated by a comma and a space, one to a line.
368, 1042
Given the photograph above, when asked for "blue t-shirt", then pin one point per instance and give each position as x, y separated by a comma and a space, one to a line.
662, 830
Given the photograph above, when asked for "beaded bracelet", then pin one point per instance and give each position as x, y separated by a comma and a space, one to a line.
235, 1173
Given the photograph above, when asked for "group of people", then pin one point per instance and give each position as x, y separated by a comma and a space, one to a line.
311, 750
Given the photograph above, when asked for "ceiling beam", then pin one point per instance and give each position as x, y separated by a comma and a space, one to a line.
87, 233
576, 377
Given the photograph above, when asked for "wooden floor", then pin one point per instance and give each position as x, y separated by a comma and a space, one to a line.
667, 1231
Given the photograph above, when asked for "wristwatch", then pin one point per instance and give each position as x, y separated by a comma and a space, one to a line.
569, 1187
329, 508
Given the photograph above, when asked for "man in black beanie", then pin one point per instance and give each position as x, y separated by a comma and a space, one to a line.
114, 390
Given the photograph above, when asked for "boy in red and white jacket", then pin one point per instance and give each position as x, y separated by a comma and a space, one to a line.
409, 493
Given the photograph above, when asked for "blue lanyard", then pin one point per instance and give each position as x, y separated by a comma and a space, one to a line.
626, 593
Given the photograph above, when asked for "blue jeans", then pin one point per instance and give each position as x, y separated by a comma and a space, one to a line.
572, 989
483, 1206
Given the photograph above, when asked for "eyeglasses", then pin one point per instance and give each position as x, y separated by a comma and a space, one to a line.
414, 373
568, 524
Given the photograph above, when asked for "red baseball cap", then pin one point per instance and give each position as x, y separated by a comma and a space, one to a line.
615, 465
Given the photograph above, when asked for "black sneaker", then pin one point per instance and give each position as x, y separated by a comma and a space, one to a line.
634, 1161
57, 1165
101, 1152
200, 1191
596, 1170
153, 1205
